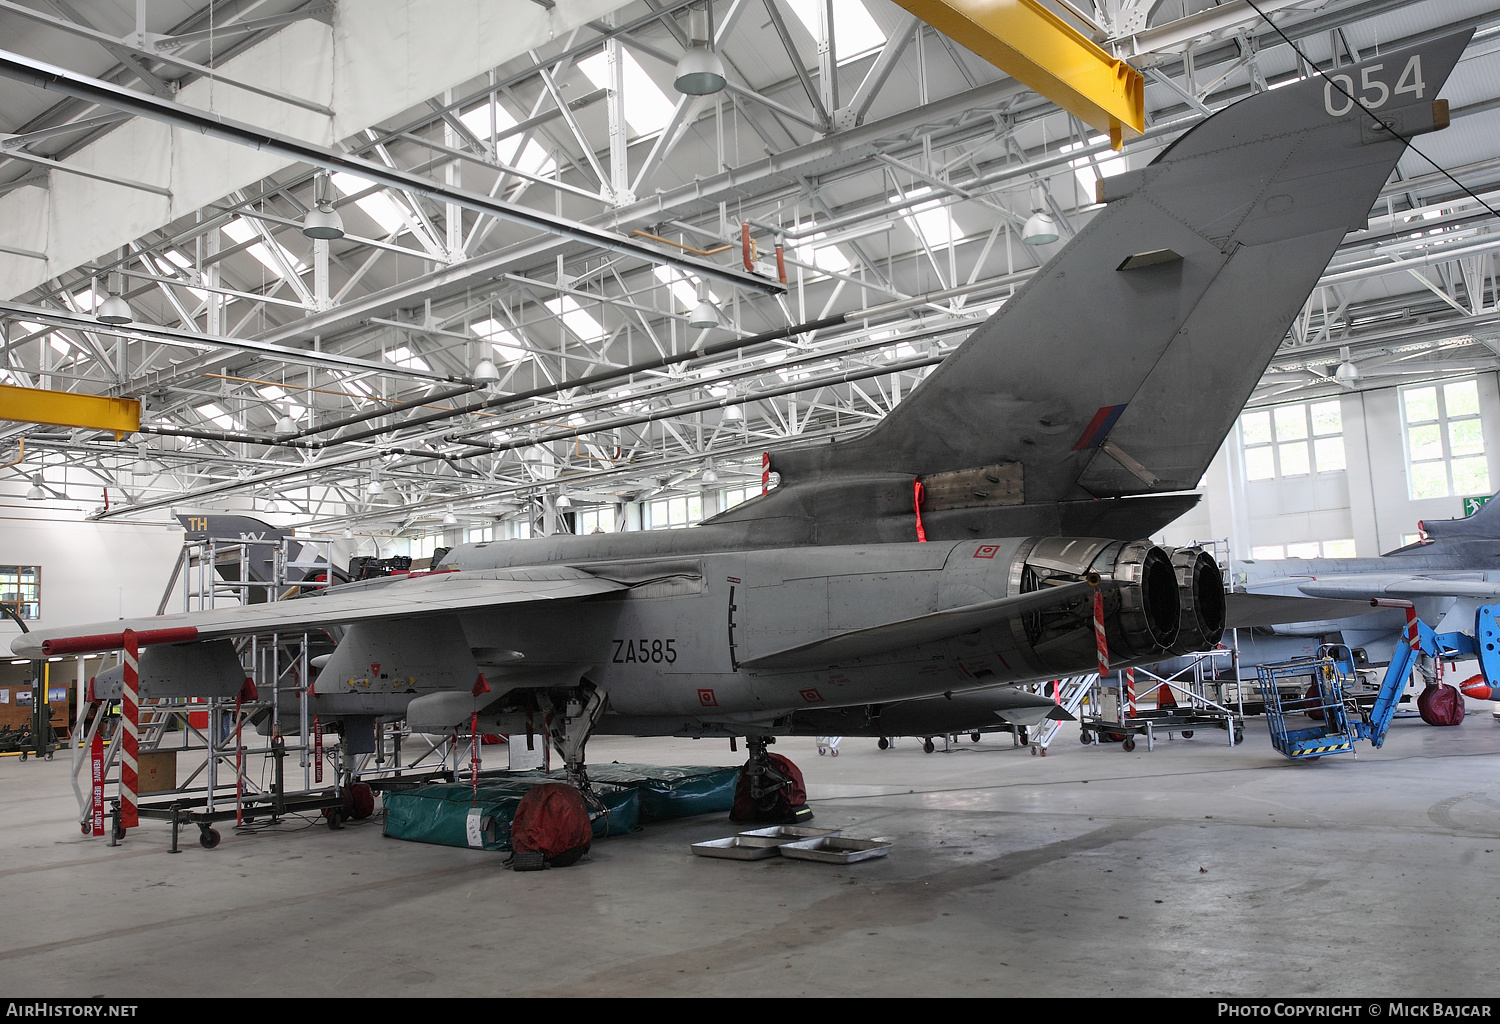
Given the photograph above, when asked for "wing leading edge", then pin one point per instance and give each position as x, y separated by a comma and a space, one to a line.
434, 594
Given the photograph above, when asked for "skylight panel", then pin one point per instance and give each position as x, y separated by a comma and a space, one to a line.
272, 393
684, 287
506, 345
534, 160
404, 356
647, 109
932, 221
825, 257
575, 318
239, 230
181, 262
855, 33
1108, 164
383, 210
212, 412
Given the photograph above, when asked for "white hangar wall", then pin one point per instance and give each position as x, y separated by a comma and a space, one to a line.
91, 572
1369, 502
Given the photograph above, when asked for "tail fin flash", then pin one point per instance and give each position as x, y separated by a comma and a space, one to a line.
1121, 366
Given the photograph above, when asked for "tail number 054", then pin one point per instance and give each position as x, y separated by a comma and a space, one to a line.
1373, 93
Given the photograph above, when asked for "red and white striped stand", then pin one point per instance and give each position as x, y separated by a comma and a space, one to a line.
1100, 643
131, 717
1130, 693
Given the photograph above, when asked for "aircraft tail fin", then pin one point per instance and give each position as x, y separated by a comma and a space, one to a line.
1119, 368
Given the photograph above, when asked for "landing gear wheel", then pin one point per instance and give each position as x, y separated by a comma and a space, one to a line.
208, 838
974, 736
1187, 734
1024, 735
883, 743
1129, 744
928, 746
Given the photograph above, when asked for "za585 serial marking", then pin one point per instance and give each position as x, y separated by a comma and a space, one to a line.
628, 652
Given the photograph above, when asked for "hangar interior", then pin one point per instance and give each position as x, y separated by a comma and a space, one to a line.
664, 287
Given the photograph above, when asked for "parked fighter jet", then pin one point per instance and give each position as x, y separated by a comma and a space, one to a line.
1447, 574
958, 545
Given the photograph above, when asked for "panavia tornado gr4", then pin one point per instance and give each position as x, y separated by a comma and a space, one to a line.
957, 546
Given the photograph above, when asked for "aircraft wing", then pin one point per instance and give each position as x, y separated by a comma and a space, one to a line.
923, 629
1243, 611
1402, 586
432, 594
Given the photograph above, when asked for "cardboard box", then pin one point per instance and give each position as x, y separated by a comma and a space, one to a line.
158, 771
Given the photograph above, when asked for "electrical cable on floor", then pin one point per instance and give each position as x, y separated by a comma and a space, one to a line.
1355, 100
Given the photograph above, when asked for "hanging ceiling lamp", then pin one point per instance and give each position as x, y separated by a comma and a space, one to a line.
114, 309
700, 72
35, 493
1040, 228
322, 221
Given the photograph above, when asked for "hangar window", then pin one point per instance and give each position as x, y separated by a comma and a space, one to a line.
21, 589
1444, 440
595, 520
480, 534
735, 495
1293, 440
674, 513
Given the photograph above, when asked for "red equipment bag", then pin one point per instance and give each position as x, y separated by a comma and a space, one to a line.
777, 808
553, 821
1440, 704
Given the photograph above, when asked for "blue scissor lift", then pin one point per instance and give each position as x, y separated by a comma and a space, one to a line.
1331, 696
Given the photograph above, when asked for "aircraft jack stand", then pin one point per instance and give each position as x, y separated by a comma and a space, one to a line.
765, 790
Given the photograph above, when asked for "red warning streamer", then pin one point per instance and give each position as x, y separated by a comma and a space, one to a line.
916, 501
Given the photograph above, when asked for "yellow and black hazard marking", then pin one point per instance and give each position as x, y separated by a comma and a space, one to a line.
1331, 748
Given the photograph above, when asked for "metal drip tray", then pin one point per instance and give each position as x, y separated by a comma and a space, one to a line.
790, 833
836, 849
739, 848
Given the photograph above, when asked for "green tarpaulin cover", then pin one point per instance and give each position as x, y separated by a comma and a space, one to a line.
450, 814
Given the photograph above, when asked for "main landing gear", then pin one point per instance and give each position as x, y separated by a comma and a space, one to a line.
770, 788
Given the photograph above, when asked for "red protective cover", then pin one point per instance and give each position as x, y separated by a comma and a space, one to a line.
1313, 701
744, 808
1440, 704
552, 820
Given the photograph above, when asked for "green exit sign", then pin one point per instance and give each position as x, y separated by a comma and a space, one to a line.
1472, 505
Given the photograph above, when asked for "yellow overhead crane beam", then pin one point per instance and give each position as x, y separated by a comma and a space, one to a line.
1041, 50
65, 409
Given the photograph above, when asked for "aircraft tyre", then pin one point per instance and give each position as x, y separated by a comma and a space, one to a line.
1187, 734
1024, 735
928, 746
883, 743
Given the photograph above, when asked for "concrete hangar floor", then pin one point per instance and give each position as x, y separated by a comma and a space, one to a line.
1196, 869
